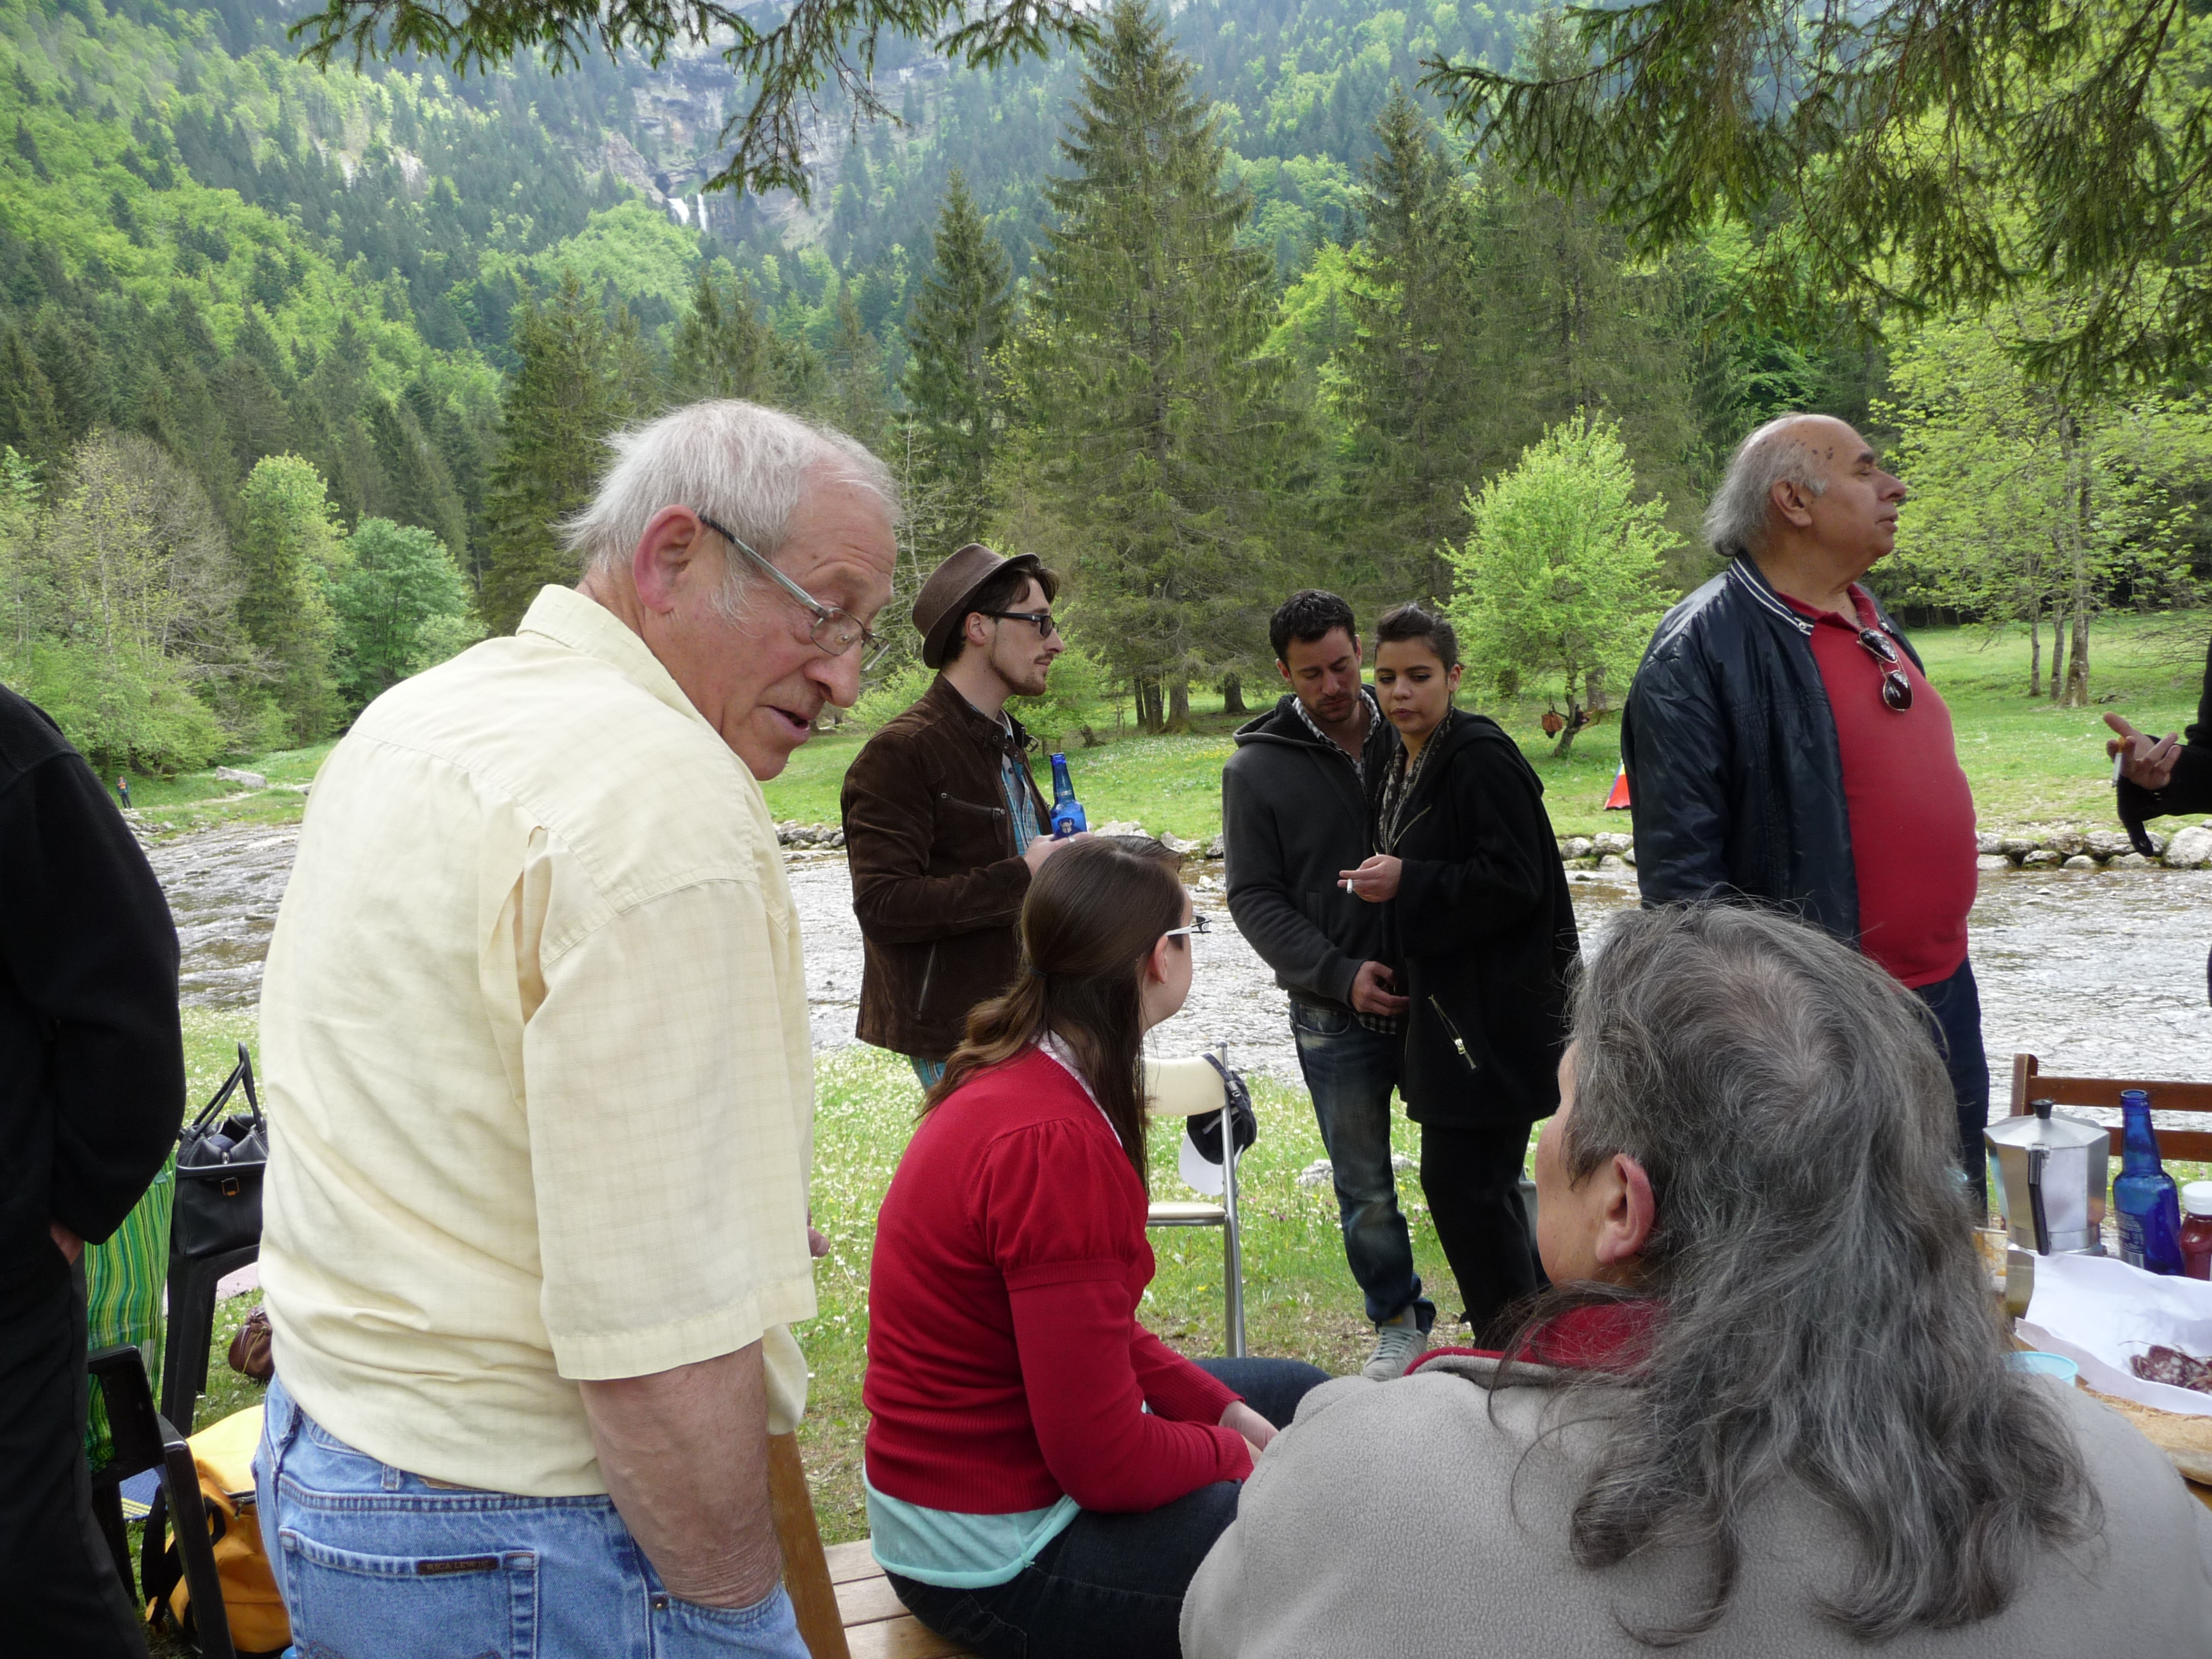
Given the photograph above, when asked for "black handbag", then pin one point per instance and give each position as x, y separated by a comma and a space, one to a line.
220, 1162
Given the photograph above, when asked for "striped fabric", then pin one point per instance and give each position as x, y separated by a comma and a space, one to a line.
124, 1281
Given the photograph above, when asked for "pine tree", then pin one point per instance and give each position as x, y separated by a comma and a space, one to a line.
1163, 439
956, 375
1411, 375
287, 554
563, 399
857, 403
419, 487
723, 347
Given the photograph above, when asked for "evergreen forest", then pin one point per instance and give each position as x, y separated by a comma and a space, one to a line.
300, 366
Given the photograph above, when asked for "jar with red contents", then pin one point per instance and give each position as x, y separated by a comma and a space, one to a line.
2197, 1230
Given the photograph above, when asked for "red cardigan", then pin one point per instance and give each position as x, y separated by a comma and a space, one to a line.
1006, 1364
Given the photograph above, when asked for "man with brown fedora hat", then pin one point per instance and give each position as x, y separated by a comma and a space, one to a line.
944, 825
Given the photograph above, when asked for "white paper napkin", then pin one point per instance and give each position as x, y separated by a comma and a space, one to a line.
2100, 1313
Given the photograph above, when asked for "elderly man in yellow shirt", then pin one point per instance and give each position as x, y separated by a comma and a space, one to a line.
534, 1027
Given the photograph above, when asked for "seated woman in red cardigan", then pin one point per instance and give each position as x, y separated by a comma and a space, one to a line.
1044, 1475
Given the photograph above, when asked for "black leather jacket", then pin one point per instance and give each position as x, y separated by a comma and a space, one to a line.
1735, 779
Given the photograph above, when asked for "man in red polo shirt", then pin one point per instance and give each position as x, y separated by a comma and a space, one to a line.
1783, 743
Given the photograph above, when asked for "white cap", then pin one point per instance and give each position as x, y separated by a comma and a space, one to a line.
2196, 1197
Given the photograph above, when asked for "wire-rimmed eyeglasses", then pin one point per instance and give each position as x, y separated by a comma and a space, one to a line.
1896, 686
835, 631
1197, 924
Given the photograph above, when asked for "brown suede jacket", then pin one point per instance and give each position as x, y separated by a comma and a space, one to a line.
937, 882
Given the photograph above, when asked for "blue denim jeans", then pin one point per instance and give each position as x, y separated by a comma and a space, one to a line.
1350, 1072
1111, 1586
374, 1563
1955, 1006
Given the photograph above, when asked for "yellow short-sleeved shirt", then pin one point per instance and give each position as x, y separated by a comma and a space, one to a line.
533, 1029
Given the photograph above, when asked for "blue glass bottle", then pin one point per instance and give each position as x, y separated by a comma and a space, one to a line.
2144, 1201
1067, 818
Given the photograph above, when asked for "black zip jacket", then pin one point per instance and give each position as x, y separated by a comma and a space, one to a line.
1735, 782
92, 1060
1484, 933
1293, 815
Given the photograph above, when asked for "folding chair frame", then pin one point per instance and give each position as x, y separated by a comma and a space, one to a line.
144, 1439
1224, 1216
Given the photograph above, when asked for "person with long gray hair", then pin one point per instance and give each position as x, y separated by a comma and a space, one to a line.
1783, 743
1768, 1406
541, 1097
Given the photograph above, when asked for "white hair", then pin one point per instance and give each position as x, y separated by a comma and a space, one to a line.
1735, 522
743, 465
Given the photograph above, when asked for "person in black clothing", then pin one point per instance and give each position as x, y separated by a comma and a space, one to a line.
1293, 814
92, 1092
2164, 776
1467, 872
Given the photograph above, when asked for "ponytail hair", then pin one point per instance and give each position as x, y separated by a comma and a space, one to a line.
1092, 916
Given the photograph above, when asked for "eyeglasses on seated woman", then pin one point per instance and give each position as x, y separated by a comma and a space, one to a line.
1767, 1408
1042, 1473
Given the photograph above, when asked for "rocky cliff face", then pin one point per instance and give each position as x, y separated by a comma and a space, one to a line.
676, 116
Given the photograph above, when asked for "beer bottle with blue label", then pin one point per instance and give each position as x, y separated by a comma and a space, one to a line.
1067, 818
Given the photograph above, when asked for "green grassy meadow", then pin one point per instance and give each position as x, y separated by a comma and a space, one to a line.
2029, 762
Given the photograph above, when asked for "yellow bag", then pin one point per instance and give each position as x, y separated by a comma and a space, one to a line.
223, 1454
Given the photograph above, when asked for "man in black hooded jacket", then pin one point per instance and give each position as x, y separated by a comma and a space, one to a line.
1294, 815
91, 1091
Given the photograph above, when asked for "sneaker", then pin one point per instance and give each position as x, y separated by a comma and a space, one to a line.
1398, 1344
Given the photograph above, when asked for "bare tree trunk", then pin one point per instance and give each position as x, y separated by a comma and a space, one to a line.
1148, 705
2035, 649
2077, 671
1232, 694
1179, 702
2057, 651
1567, 732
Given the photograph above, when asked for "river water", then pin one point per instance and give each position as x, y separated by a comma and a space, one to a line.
2098, 973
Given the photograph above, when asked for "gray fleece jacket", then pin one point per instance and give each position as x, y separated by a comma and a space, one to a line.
1400, 1519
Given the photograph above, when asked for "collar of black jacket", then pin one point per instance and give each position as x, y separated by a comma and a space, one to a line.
988, 733
1284, 724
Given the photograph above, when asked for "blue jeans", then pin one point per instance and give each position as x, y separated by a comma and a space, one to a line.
374, 1563
1955, 1005
1110, 1586
1350, 1072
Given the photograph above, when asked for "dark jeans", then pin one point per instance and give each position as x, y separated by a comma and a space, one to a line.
1110, 1587
1472, 1179
58, 1591
1955, 1006
1350, 1072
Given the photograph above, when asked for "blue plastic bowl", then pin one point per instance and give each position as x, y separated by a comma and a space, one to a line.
2047, 1365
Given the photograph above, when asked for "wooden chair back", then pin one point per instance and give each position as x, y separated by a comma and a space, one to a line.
2029, 1082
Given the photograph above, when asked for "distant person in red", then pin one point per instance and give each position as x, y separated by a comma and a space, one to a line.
1044, 1475
1783, 746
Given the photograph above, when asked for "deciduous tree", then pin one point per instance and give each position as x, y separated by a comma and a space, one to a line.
1558, 582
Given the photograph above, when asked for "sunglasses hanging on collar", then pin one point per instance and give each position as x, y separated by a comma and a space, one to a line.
1896, 686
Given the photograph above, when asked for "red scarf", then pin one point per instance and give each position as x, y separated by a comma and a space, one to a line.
1601, 1336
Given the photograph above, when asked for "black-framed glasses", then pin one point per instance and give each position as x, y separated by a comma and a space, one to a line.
1198, 924
835, 631
1041, 618
1896, 686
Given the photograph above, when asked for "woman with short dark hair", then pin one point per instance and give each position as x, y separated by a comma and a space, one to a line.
1484, 935
1768, 1407
1043, 1475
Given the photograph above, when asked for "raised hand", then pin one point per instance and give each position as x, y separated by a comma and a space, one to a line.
2146, 761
